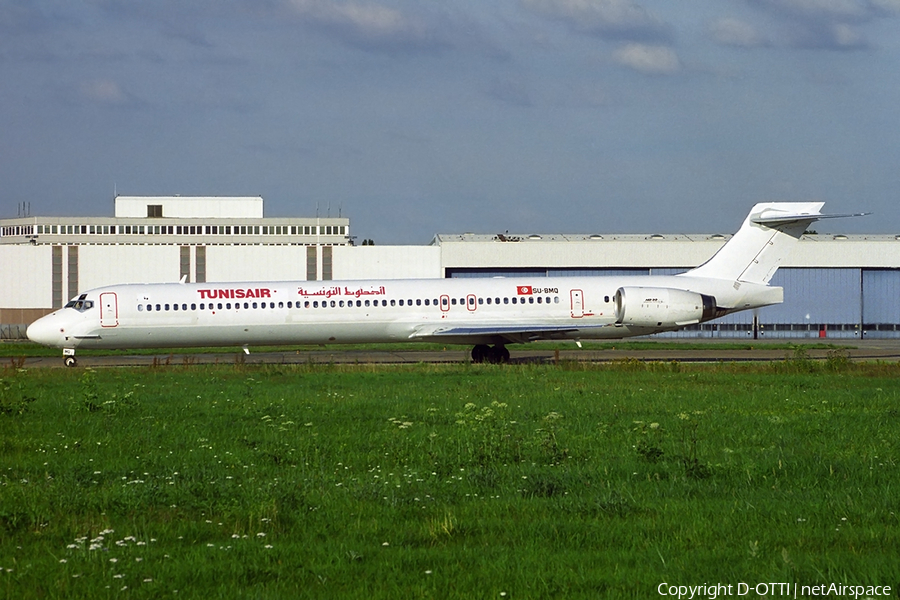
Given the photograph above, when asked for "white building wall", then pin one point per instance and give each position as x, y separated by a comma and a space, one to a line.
812, 252
649, 253
25, 276
190, 207
386, 262
102, 265
256, 263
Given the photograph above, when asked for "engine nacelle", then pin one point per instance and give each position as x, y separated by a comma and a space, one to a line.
665, 308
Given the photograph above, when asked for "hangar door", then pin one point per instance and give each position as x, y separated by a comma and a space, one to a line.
881, 311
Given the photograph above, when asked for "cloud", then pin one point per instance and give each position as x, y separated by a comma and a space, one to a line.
511, 91
734, 32
611, 19
367, 24
650, 60
830, 9
827, 24
103, 91
889, 6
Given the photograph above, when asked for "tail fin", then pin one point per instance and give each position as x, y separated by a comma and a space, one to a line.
756, 251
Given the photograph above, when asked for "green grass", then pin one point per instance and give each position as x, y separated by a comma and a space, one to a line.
447, 481
16, 349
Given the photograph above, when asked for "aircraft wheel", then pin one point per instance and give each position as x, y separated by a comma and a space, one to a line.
503, 353
498, 355
70, 361
480, 353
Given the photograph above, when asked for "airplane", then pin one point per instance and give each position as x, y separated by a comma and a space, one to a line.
487, 313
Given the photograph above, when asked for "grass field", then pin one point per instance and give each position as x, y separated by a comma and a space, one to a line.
448, 481
17, 349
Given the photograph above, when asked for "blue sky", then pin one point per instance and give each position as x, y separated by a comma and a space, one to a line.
415, 118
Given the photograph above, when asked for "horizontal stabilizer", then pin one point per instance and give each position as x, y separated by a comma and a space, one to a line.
771, 217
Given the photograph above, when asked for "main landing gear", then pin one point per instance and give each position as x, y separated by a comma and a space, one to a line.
493, 354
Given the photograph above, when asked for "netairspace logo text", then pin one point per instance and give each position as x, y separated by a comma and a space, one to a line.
788, 590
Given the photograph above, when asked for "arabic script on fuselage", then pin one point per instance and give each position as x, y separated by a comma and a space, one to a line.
336, 290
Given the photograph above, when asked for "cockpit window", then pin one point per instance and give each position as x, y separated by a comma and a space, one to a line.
80, 304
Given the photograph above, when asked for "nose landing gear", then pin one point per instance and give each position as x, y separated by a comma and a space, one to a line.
496, 354
69, 357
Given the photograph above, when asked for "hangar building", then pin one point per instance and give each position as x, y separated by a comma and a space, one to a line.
834, 285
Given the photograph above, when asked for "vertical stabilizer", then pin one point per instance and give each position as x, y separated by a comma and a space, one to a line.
765, 239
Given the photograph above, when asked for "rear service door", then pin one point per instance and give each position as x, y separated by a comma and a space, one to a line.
577, 297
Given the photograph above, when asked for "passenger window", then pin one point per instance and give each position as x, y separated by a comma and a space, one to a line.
539, 299
228, 305
506, 300
202, 306
184, 307
194, 307
341, 304
149, 308
367, 303
383, 302
531, 300
606, 299
246, 305
140, 308
281, 305
254, 305
443, 302
167, 307
453, 301
174, 307
401, 302
332, 304
488, 300
393, 303
157, 307
220, 306
418, 302
315, 304
481, 301
427, 303
556, 300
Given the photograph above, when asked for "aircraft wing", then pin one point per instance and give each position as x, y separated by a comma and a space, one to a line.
509, 333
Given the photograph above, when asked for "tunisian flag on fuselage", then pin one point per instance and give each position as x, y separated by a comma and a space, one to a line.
523, 290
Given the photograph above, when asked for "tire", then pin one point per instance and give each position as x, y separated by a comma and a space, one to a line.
70, 361
480, 353
498, 355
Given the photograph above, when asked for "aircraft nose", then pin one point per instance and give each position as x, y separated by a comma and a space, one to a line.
45, 331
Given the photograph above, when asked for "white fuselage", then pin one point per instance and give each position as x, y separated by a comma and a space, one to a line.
465, 311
